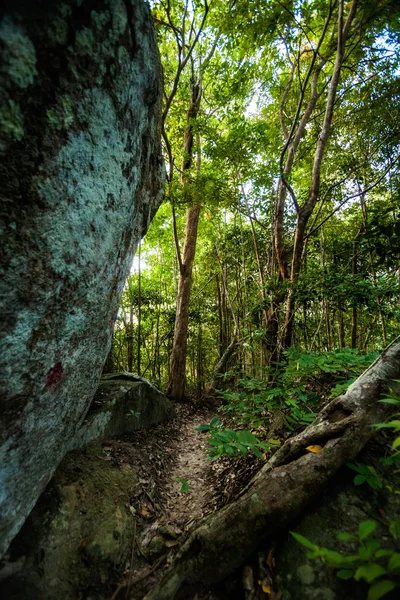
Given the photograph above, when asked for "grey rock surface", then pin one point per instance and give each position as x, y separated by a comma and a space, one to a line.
81, 176
123, 402
80, 532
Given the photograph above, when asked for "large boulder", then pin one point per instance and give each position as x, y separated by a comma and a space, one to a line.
79, 536
123, 403
81, 176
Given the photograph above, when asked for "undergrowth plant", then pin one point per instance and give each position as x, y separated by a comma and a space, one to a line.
377, 566
295, 386
227, 442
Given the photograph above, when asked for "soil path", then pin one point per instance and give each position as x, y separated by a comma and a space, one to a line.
185, 507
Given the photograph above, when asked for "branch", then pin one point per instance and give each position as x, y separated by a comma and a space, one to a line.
353, 196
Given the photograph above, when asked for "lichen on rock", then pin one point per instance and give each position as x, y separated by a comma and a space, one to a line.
81, 176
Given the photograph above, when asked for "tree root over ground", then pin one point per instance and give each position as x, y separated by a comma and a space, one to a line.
284, 486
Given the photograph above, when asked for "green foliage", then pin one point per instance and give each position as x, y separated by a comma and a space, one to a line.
366, 474
132, 413
376, 566
227, 442
185, 485
291, 391
393, 424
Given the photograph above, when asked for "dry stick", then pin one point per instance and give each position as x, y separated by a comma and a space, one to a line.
286, 484
139, 578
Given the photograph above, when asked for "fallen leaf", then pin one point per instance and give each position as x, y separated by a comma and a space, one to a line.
315, 449
266, 588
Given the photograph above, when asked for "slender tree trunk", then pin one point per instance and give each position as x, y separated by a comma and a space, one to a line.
129, 337
327, 324
176, 386
341, 334
354, 308
139, 333
177, 375
221, 365
305, 212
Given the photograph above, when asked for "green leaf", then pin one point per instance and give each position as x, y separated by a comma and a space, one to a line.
396, 443
390, 401
394, 528
185, 485
214, 422
241, 448
203, 428
304, 541
380, 589
345, 537
364, 553
394, 562
256, 451
369, 572
359, 479
246, 437
354, 467
382, 553
365, 529
344, 574
332, 557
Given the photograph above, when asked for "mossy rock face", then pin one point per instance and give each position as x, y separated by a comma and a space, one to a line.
81, 176
79, 535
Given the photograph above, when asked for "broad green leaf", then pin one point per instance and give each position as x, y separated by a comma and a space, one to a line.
332, 557
214, 422
359, 479
365, 529
394, 562
344, 574
365, 553
256, 451
382, 553
396, 443
246, 437
369, 572
185, 485
242, 448
380, 589
203, 428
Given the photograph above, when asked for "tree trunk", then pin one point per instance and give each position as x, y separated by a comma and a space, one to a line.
354, 308
177, 381
139, 331
286, 484
220, 367
177, 375
340, 322
129, 339
305, 212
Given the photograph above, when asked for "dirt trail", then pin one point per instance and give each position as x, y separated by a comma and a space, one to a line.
191, 466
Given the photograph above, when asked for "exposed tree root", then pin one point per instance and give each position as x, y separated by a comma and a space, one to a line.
286, 484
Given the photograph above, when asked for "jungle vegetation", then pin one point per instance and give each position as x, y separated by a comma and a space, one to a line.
279, 234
